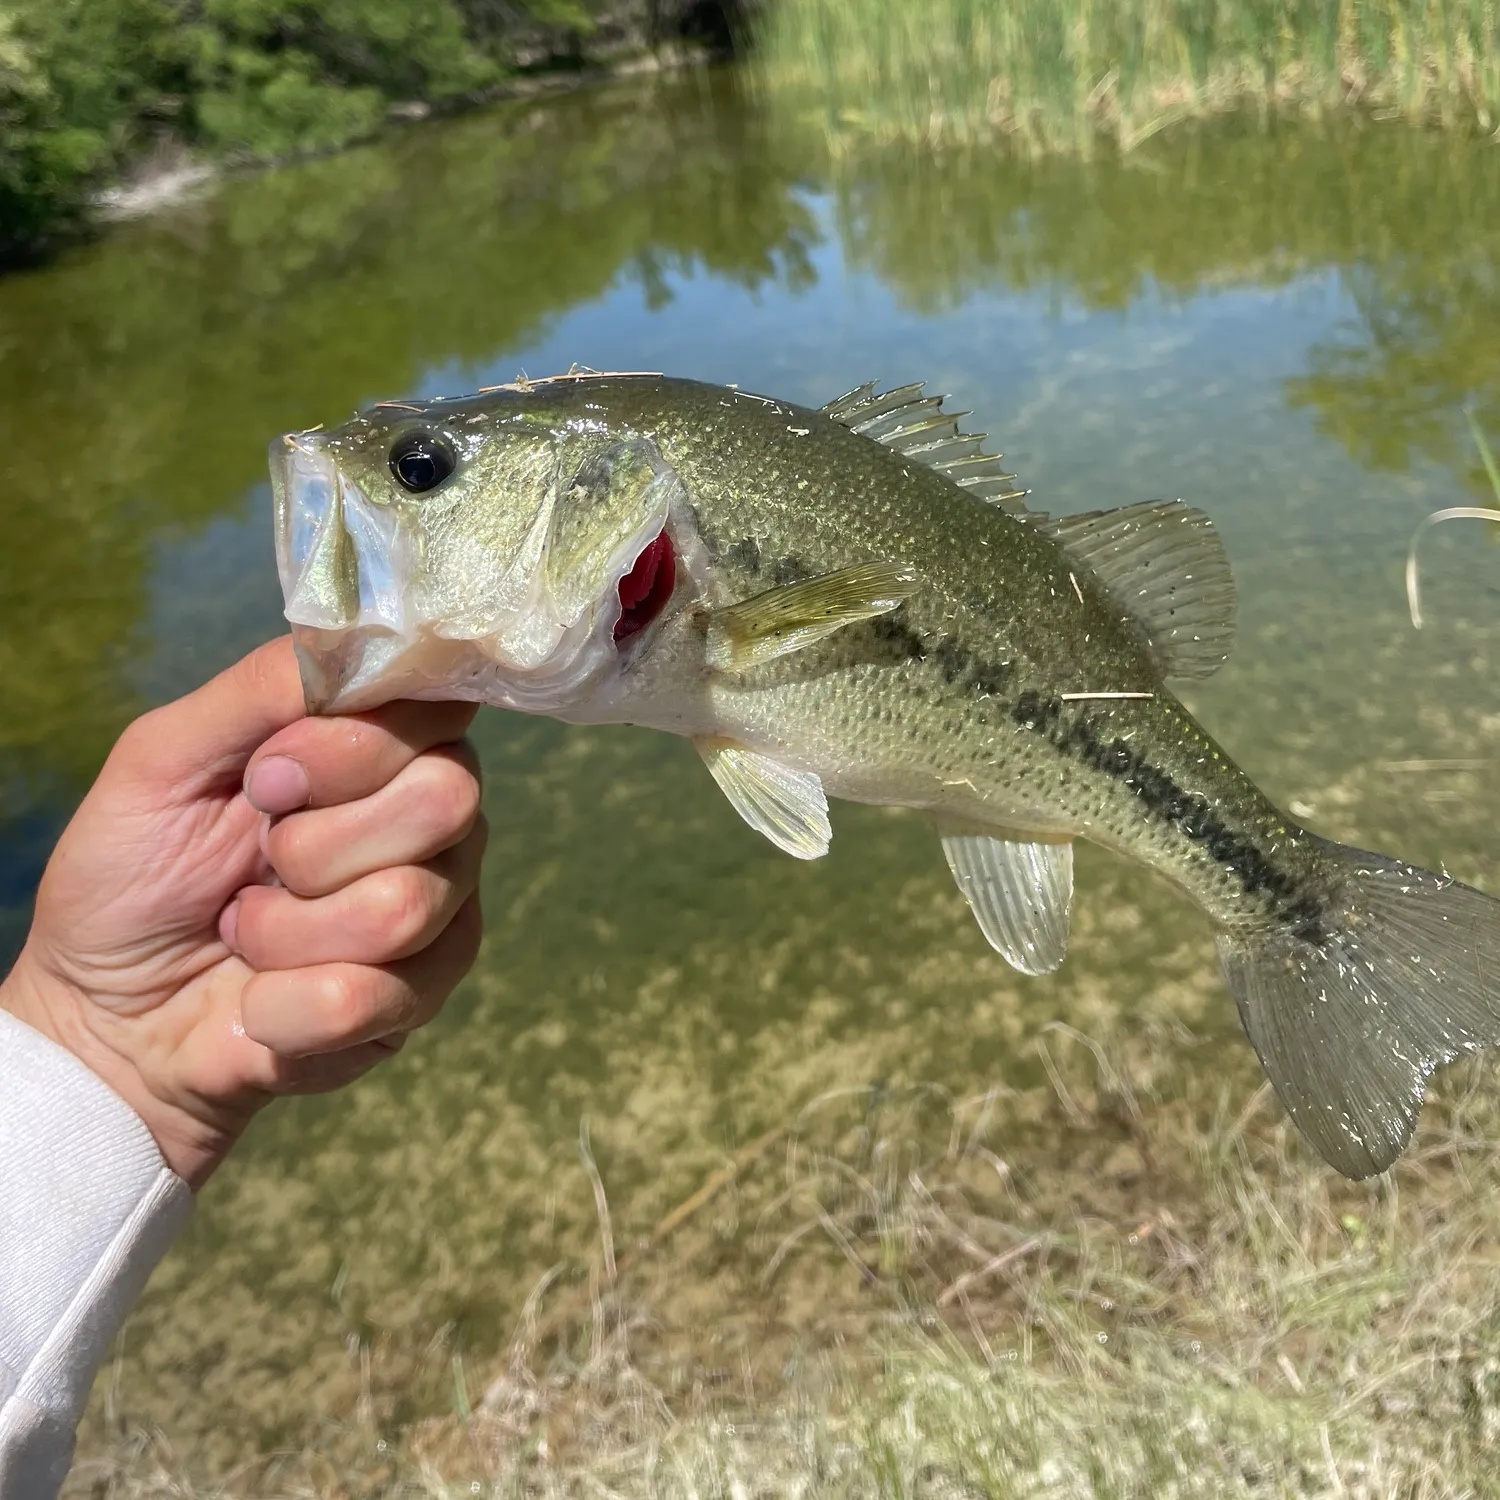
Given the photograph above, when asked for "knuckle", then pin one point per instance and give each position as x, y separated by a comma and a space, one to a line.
346, 1003
457, 799
292, 859
443, 796
399, 907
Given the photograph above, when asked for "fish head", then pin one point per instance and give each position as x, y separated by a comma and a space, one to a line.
473, 549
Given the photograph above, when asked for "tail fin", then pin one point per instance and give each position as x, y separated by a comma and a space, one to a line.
1352, 1012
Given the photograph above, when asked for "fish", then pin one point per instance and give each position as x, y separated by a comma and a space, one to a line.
858, 601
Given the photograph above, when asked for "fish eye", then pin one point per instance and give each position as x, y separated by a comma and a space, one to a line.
421, 461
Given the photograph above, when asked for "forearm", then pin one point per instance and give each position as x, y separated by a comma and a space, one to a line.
87, 1209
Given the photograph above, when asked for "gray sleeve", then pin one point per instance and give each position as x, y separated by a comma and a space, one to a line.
87, 1209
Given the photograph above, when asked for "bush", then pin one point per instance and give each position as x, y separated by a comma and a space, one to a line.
86, 86
270, 77
75, 76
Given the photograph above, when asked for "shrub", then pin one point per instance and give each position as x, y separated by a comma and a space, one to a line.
86, 86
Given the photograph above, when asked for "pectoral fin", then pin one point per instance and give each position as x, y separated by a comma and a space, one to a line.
787, 619
1019, 893
787, 806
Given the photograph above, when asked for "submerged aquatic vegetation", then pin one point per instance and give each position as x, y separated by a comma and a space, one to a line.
1195, 1310
1055, 74
855, 601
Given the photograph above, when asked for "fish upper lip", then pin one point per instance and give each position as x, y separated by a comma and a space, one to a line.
305, 485
325, 524
356, 592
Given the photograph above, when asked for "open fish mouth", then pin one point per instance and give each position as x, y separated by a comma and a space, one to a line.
342, 563
370, 625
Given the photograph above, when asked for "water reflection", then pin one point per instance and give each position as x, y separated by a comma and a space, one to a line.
1420, 347
1410, 222
1200, 319
141, 379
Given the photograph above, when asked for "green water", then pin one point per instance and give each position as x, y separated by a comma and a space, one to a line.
1283, 328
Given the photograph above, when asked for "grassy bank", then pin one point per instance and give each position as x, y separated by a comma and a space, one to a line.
1193, 1307
1056, 74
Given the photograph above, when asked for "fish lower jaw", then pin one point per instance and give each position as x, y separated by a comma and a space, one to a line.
347, 671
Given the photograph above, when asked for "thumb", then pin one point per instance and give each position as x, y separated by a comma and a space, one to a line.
209, 736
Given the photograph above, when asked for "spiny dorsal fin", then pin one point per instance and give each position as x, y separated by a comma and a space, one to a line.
1163, 563
916, 426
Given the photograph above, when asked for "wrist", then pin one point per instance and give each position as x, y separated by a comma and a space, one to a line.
50, 1004
42, 1002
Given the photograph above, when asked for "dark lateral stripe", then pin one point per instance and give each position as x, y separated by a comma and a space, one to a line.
1076, 735
959, 665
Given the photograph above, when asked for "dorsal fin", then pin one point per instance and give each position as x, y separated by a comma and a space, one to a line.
1162, 562
916, 426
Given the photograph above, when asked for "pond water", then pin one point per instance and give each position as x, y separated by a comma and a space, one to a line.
1282, 326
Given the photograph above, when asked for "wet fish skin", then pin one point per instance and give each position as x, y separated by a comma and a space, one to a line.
953, 706
966, 699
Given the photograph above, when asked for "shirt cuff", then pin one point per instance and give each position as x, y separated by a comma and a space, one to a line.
87, 1209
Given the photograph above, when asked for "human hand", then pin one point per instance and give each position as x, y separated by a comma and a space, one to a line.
167, 957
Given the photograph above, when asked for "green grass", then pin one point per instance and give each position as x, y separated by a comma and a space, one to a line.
1191, 1306
1058, 74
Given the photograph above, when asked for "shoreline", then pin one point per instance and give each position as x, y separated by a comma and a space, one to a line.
175, 174
1057, 82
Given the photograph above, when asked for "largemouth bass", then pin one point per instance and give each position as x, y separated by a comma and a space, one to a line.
857, 602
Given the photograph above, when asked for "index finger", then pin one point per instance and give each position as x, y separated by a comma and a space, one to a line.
207, 737
320, 762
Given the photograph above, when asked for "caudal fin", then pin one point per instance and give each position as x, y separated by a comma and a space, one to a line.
1351, 1012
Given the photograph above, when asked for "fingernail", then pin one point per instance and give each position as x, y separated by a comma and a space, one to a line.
278, 784
229, 925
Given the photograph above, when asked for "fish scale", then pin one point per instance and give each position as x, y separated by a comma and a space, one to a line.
904, 730
854, 601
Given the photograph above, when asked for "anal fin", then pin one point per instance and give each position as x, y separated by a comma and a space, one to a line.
1020, 893
786, 805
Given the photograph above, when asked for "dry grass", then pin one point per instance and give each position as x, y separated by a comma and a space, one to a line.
1116, 1285
1058, 74
1489, 513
